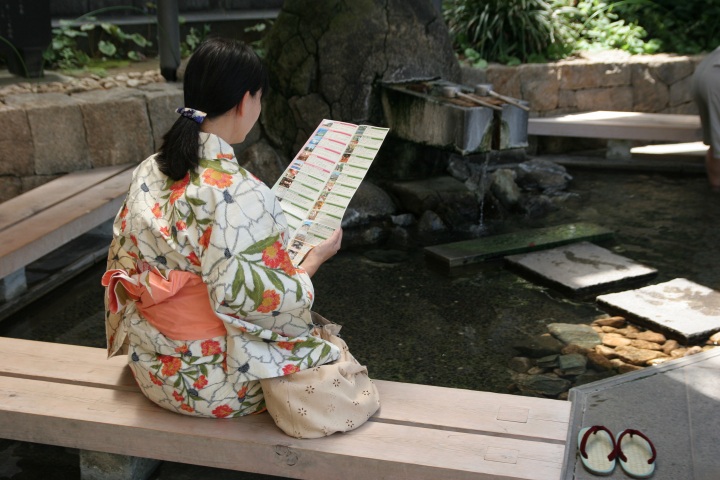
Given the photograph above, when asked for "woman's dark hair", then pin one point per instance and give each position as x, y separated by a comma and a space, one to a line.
216, 79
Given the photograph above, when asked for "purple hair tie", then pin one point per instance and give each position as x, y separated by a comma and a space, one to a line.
192, 114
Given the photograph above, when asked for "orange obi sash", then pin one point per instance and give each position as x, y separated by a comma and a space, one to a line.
178, 306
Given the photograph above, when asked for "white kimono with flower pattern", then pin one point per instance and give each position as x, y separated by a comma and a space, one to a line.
225, 225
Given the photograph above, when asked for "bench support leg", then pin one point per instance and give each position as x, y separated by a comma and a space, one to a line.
619, 149
12, 285
109, 466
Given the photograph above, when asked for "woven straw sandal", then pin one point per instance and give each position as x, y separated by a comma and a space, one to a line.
597, 449
636, 453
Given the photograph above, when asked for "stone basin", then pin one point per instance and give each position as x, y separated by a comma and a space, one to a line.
418, 112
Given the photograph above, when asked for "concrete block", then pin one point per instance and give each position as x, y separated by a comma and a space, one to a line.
540, 86
513, 126
574, 76
650, 94
117, 125
109, 466
13, 285
10, 186
162, 100
34, 181
58, 134
681, 309
674, 404
581, 268
433, 120
615, 99
681, 92
17, 152
505, 80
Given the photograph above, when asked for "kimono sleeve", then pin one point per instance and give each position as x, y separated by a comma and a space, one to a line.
246, 265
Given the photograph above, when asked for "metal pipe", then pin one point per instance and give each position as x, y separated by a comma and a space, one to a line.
168, 38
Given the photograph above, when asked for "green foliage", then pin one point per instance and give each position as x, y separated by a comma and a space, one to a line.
260, 30
474, 58
193, 39
64, 51
104, 41
505, 30
595, 25
686, 27
514, 31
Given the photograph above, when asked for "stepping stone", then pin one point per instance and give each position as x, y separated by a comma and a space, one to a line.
681, 309
580, 269
480, 249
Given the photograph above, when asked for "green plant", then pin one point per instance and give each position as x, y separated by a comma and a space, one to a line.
505, 30
596, 25
77, 44
474, 58
116, 43
193, 39
64, 51
258, 44
685, 27
515, 31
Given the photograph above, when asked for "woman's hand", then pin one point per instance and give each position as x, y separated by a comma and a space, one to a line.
322, 252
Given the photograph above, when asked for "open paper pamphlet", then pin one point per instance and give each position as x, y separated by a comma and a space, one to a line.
316, 188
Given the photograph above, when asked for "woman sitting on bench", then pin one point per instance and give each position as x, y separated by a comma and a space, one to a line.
201, 292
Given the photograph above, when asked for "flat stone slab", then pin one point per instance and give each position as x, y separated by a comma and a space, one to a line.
480, 249
580, 269
674, 404
681, 309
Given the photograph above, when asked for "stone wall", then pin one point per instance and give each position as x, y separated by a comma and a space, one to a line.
604, 81
48, 134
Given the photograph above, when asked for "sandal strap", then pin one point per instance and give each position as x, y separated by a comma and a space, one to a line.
640, 434
593, 430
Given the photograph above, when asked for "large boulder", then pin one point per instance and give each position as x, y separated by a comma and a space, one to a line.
329, 58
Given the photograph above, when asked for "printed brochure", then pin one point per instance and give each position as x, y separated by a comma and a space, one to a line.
316, 188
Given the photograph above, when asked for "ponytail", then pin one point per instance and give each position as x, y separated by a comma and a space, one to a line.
179, 151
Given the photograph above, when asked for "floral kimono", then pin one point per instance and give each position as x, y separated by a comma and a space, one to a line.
223, 228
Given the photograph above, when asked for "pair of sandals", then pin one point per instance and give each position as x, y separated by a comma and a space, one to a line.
599, 451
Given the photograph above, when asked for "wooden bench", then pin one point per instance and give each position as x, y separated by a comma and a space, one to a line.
39, 221
620, 128
73, 396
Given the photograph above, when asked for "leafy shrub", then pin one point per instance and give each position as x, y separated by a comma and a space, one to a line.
108, 42
507, 31
515, 31
687, 27
193, 39
595, 25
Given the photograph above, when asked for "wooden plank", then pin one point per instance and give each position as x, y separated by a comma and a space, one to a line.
406, 404
42, 233
61, 363
485, 248
126, 423
45, 196
620, 126
474, 411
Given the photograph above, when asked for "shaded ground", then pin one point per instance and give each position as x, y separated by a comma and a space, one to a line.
410, 323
